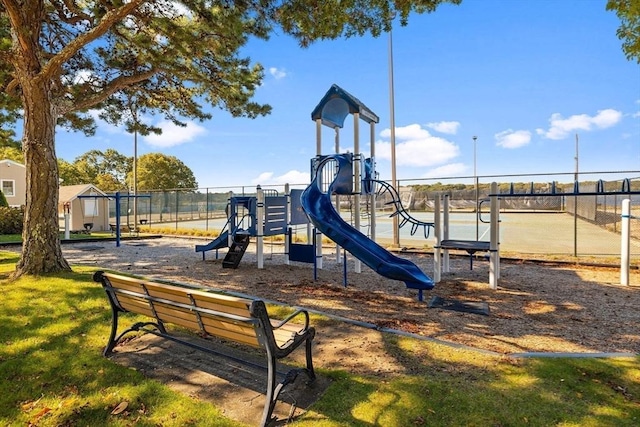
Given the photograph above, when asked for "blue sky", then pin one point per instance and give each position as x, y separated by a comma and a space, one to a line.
523, 76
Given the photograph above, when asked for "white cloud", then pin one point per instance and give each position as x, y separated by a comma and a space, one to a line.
416, 147
513, 139
104, 126
174, 135
291, 177
83, 76
560, 127
452, 169
450, 128
277, 73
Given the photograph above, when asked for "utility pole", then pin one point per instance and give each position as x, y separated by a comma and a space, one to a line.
392, 125
575, 205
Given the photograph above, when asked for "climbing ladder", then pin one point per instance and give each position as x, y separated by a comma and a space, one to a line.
236, 250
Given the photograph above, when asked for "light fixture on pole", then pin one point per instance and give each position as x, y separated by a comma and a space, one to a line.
392, 125
475, 180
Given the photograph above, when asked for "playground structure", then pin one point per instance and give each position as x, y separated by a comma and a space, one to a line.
353, 175
399, 210
317, 203
333, 175
263, 215
118, 227
443, 244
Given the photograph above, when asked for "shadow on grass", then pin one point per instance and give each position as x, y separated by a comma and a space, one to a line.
455, 387
54, 329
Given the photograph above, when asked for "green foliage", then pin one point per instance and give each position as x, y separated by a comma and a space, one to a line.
124, 72
108, 182
11, 220
629, 31
111, 171
70, 175
61, 59
438, 186
158, 171
3, 200
94, 163
9, 152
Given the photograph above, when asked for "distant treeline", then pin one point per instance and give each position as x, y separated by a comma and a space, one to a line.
524, 187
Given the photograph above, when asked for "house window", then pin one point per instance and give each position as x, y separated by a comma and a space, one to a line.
8, 187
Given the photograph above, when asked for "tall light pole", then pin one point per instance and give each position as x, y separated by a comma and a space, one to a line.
475, 180
392, 124
575, 204
135, 179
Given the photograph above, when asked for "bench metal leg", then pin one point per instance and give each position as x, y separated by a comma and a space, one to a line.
273, 390
310, 372
113, 340
272, 393
114, 329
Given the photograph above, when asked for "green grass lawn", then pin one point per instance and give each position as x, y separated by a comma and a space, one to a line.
53, 374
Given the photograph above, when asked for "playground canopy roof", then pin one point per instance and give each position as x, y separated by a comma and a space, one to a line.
336, 104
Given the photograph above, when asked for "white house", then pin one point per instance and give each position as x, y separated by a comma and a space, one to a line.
13, 178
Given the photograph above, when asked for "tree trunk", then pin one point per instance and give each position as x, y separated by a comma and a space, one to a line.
41, 250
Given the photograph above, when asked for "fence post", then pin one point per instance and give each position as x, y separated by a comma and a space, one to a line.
625, 238
494, 243
260, 226
437, 237
446, 267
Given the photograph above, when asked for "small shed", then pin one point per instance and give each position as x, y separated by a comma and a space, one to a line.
13, 178
88, 207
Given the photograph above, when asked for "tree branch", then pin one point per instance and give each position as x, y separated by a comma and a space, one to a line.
14, 9
77, 14
108, 20
109, 89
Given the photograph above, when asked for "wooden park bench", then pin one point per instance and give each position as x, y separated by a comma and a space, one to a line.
237, 320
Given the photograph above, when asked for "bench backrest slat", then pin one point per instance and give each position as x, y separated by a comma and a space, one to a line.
214, 314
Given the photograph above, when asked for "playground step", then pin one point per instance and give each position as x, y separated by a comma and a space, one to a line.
236, 251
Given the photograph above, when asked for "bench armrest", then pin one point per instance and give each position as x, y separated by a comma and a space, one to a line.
293, 316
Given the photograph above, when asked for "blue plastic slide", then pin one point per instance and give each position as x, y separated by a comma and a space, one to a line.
326, 219
222, 241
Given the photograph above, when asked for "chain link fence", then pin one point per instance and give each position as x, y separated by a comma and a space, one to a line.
542, 214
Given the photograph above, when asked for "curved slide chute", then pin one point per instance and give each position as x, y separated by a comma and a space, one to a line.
401, 212
320, 210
